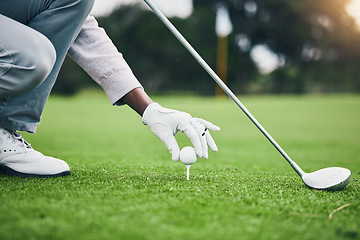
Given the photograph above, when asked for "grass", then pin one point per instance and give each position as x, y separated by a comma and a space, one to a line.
124, 184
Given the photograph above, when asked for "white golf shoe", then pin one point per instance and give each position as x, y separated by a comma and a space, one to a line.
18, 158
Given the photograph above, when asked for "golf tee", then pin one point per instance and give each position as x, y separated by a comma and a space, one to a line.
188, 172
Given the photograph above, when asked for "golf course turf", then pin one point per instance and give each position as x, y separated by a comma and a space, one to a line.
124, 185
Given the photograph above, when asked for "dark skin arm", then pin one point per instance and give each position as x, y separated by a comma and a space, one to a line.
138, 100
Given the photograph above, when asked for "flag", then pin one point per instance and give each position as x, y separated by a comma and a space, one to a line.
223, 25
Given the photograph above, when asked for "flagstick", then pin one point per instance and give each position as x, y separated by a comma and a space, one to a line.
223, 27
221, 64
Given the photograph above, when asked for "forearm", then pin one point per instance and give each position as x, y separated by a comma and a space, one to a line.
94, 51
138, 100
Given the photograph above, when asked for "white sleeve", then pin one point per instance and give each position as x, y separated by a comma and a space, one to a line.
94, 51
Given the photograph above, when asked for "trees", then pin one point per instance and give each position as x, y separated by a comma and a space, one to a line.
317, 42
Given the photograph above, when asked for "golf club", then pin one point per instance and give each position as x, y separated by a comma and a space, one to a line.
333, 178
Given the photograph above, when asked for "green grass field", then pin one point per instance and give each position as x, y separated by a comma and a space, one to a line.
124, 185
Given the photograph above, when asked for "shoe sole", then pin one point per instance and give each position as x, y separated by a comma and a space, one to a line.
12, 172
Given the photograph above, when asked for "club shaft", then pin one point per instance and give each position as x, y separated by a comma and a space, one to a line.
217, 79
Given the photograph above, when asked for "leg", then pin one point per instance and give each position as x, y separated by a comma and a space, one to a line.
23, 67
60, 22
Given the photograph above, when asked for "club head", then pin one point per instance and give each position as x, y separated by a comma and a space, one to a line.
330, 179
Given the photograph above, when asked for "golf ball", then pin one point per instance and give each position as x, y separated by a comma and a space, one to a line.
188, 155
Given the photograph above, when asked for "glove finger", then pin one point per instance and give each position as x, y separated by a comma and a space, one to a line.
210, 141
188, 129
174, 149
200, 129
168, 138
207, 124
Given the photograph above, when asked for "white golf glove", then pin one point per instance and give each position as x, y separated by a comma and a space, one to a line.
165, 123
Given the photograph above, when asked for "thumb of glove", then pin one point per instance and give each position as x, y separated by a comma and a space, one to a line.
168, 138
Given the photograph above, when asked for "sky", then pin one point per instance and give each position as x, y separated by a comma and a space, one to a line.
171, 8
183, 8
354, 10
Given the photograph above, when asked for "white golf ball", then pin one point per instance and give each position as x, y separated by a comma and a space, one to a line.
188, 155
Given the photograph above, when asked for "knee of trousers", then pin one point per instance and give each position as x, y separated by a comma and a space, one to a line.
37, 62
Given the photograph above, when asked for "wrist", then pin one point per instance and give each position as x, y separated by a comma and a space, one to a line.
149, 111
138, 100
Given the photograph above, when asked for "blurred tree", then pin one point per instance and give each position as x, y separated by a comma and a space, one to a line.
72, 79
159, 60
316, 41
156, 57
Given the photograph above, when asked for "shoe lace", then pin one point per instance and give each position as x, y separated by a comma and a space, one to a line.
17, 137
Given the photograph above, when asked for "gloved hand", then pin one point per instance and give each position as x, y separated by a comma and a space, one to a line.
165, 123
